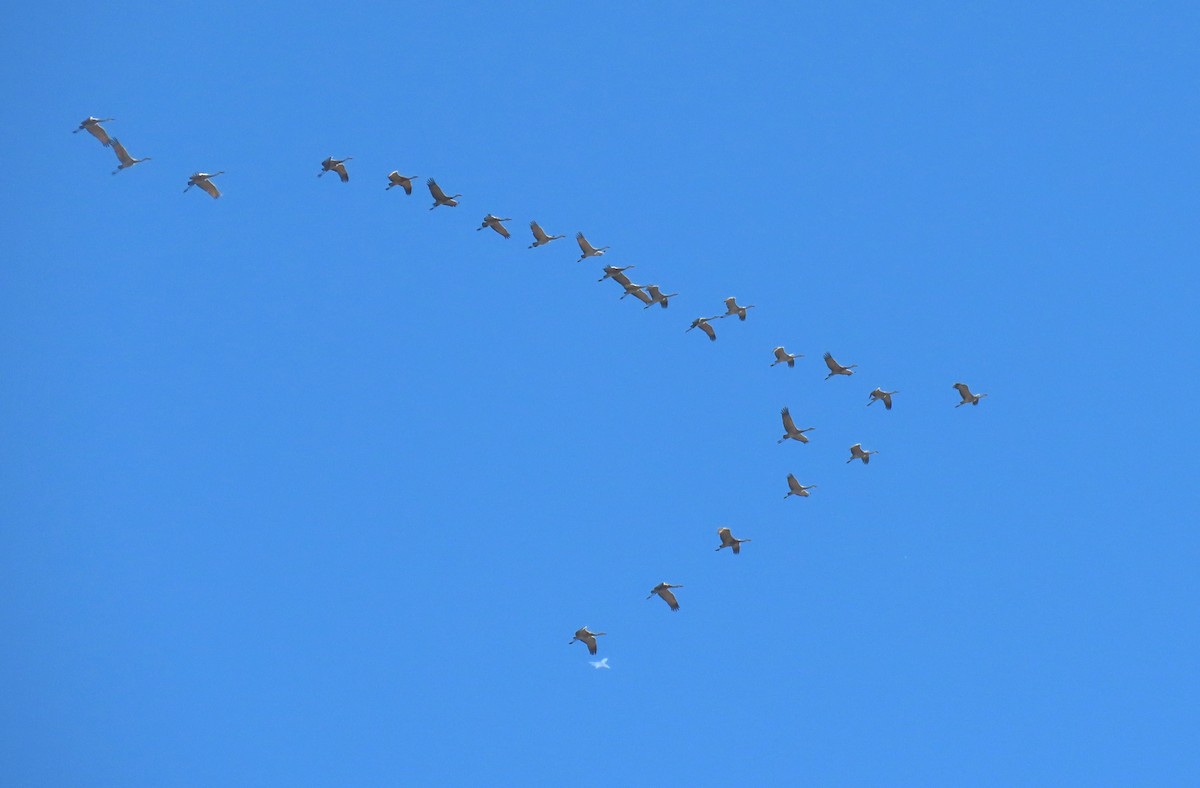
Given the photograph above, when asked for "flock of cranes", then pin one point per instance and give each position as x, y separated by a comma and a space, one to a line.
648, 294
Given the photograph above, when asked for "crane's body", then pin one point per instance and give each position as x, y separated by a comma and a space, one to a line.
403, 181
703, 324
540, 237
857, 452
879, 395
496, 223
616, 273
728, 540
336, 165
126, 161
789, 428
91, 125
784, 357
203, 180
732, 308
587, 637
657, 296
796, 488
663, 591
439, 196
836, 368
967, 397
587, 249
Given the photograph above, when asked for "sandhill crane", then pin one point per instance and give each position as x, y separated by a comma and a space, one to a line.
664, 591
882, 396
728, 540
587, 249
91, 125
203, 181
124, 157
336, 165
495, 223
782, 356
616, 272
857, 452
796, 488
836, 368
439, 196
658, 297
539, 235
967, 396
732, 308
703, 324
636, 291
789, 428
403, 181
586, 636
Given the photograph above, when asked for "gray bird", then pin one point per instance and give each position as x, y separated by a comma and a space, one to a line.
967, 396
789, 429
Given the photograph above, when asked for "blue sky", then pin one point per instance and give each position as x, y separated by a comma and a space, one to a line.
310, 485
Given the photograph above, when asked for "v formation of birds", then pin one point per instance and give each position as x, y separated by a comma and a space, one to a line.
648, 294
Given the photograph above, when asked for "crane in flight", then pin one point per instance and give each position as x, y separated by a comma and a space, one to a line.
587, 249
728, 540
732, 308
789, 428
335, 165
91, 125
495, 223
796, 488
784, 357
879, 395
540, 238
587, 637
703, 324
403, 181
126, 161
836, 368
967, 397
857, 452
663, 590
203, 180
439, 196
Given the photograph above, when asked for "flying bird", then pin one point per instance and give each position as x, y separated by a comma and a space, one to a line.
601, 664
732, 308
586, 636
658, 297
858, 453
336, 165
784, 357
664, 591
91, 125
636, 291
439, 196
836, 368
495, 223
587, 249
616, 272
796, 488
728, 540
202, 180
124, 157
967, 396
789, 429
403, 181
703, 324
539, 235
882, 396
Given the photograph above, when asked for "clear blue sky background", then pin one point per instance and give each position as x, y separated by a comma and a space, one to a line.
310, 485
